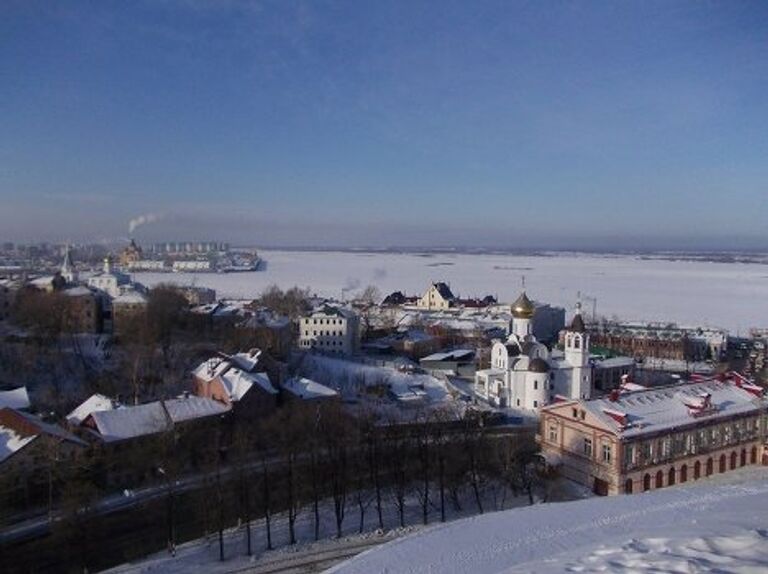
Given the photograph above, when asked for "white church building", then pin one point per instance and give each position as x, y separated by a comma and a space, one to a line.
525, 375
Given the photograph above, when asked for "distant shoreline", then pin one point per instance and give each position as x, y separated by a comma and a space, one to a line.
702, 256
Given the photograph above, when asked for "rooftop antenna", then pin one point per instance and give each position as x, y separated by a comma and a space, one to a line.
523, 282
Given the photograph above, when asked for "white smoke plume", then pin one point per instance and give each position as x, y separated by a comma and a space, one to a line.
142, 220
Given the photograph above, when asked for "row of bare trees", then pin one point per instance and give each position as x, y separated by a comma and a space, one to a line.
314, 456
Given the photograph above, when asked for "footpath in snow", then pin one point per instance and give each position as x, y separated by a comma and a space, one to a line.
718, 524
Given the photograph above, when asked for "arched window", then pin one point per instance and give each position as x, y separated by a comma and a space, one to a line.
684, 473
722, 463
647, 482
671, 476
696, 470
710, 466
577, 342
628, 486
743, 459
753, 455
659, 479
733, 460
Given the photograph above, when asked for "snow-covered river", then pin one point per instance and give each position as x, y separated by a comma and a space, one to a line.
730, 295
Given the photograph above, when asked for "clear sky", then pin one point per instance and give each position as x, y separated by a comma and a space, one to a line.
570, 124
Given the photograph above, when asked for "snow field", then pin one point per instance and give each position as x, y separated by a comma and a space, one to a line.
716, 525
729, 295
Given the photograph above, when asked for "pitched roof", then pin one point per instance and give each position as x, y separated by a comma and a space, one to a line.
17, 429
12, 442
236, 373
444, 290
308, 389
152, 418
130, 422
95, 402
190, 407
211, 368
656, 409
238, 382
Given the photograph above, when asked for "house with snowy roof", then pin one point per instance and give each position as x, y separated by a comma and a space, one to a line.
438, 296
27, 444
111, 424
237, 381
639, 440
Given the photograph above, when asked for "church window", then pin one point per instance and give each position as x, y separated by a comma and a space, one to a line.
518, 402
535, 404
535, 385
576, 343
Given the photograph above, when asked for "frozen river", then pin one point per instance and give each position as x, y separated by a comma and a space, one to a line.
730, 295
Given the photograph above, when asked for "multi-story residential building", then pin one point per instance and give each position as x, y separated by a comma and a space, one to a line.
332, 330
651, 438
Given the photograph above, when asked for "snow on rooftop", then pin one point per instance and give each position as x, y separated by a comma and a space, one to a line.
11, 442
130, 422
189, 407
94, 403
78, 291
308, 389
211, 368
15, 398
238, 382
655, 409
456, 355
130, 297
247, 361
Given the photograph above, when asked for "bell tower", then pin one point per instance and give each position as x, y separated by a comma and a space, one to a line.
577, 356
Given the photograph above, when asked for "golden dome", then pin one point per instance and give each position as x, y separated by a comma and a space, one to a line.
523, 308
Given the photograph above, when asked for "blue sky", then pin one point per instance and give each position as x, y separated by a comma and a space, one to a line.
523, 124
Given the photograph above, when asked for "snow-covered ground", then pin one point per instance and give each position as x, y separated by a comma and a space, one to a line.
351, 379
312, 556
729, 295
716, 525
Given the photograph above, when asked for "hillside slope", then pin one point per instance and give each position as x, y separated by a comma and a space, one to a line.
716, 524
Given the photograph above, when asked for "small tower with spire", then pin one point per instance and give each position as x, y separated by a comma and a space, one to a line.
577, 355
68, 272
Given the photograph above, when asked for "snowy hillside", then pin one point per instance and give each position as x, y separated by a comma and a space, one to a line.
716, 525
730, 295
